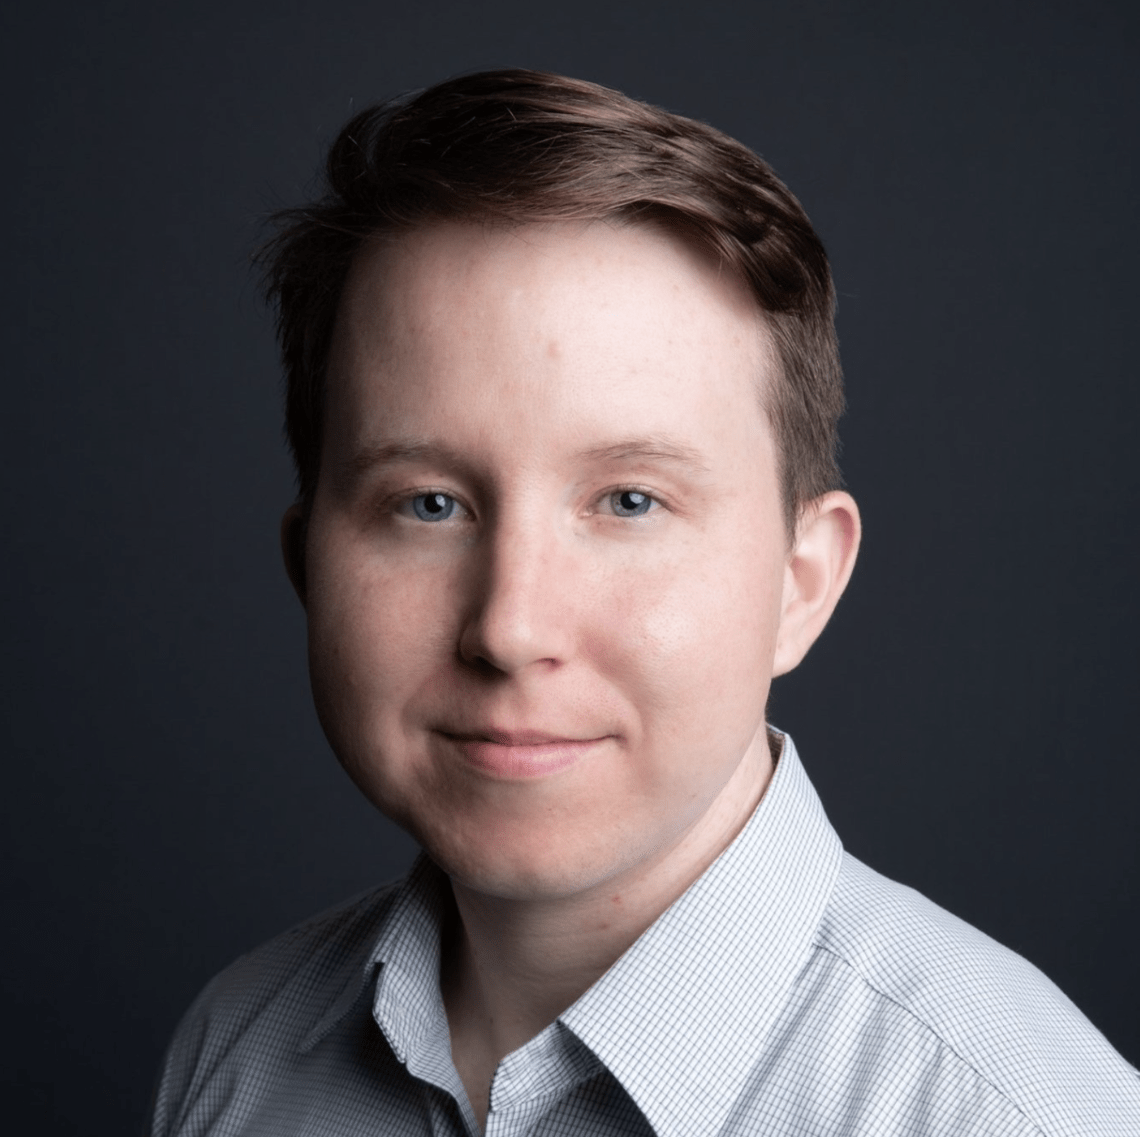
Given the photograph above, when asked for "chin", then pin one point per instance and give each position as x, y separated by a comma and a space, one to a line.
526, 865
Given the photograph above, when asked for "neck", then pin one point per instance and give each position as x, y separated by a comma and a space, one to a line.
511, 967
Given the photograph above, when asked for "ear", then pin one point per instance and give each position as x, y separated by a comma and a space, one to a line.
816, 573
293, 532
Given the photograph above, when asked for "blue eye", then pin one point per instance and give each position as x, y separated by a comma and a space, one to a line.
630, 503
433, 506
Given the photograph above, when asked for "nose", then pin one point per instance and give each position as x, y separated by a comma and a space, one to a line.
519, 612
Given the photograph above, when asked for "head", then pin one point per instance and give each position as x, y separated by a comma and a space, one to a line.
562, 393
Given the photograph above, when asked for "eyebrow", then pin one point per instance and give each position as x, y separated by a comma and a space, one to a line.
649, 449
653, 448
391, 453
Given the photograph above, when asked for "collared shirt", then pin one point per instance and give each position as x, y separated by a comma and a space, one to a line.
790, 990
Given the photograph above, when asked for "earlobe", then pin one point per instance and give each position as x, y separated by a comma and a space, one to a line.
816, 573
294, 525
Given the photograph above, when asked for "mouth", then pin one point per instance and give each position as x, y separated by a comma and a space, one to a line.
513, 754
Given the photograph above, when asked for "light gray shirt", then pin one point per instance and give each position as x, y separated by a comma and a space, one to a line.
790, 991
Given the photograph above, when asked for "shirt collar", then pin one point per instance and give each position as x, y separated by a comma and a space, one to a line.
408, 1004
407, 947
712, 974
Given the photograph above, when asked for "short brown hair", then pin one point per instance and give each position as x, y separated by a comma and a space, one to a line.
514, 146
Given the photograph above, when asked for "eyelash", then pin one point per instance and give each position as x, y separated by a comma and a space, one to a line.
405, 502
617, 491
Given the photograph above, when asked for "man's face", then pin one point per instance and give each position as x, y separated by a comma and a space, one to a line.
546, 554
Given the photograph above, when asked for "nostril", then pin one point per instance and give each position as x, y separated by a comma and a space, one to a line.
480, 663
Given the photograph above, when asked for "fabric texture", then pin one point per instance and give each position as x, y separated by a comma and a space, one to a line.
791, 990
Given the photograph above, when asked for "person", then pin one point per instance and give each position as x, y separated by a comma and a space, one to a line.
563, 388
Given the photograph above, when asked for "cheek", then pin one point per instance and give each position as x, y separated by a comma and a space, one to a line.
369, 634
695, 640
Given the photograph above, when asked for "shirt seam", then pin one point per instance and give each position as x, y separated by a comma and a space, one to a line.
930, 1029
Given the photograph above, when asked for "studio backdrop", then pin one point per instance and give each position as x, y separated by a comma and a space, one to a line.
970, 715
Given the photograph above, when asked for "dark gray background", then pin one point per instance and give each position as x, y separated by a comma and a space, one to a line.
969, 717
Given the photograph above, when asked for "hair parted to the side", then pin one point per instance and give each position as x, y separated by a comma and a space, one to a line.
512, 147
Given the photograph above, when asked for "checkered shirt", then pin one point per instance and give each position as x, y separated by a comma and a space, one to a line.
790, 991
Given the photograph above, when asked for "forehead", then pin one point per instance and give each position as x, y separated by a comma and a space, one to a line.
399, 283
568, 320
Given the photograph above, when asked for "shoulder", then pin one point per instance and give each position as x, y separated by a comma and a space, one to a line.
983, 1006
272, 999
302, 967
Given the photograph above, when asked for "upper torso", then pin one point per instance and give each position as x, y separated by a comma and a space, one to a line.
791, 990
